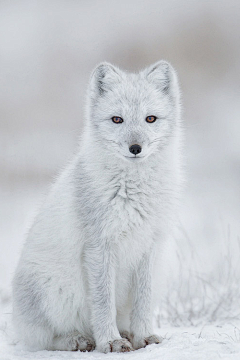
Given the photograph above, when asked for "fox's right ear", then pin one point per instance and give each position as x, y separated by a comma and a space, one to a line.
103, 78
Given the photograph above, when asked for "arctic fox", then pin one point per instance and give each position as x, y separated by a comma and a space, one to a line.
85, 278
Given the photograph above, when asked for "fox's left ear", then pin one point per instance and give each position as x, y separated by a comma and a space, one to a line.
103, 78
164, 77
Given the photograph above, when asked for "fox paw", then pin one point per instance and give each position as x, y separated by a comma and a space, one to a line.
142, 342
119, 345
84, 344
72, 342
126, 335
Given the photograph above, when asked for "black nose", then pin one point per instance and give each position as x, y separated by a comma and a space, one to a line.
135, 149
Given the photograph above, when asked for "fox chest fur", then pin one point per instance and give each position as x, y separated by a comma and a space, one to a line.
128, 209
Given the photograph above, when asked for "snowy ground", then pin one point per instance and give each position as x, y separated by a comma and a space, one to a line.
207, 342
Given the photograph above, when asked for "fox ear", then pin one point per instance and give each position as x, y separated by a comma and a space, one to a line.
164, 76
103, 78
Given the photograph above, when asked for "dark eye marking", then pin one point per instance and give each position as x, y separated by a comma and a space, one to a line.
151, 119
117, 119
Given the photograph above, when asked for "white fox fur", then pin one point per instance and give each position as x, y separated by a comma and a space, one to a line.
85, 276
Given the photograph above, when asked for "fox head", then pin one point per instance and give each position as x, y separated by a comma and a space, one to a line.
133, 116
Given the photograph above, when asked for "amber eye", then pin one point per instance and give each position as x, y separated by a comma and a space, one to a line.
151, 119
117, 119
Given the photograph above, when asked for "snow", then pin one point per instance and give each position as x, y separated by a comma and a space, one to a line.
207, 342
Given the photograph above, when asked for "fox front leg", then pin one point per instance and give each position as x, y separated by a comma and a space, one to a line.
99, 260
141, 316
